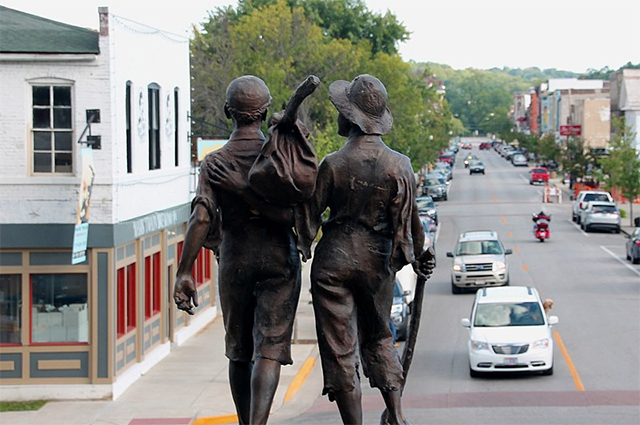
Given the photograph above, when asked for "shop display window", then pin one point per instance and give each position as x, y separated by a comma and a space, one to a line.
201, 271
152, 285
59, 312
10, 308
126, 299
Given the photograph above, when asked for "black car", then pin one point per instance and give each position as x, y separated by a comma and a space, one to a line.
476, 166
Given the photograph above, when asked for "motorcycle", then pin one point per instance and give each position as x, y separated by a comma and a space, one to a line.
541, 228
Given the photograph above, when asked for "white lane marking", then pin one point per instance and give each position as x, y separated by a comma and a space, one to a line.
524, 178
621, 260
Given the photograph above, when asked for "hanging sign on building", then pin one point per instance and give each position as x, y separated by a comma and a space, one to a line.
81, 232
206, 146
570, 130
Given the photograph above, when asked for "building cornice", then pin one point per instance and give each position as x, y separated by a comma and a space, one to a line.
38, 57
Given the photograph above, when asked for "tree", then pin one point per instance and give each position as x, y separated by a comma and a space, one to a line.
547, 149
345, 20
213, 67
282, 44
605, 73
575, 160
623, 163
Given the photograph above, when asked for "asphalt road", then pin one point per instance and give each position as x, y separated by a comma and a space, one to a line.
597, 299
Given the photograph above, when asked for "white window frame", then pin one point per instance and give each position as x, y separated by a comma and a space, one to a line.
72, 130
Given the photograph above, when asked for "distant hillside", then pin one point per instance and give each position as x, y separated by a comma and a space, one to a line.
531, 76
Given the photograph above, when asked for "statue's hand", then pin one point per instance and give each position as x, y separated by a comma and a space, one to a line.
226, 177
184, 292
425, 263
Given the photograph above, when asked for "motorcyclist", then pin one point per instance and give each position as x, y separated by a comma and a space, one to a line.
538, 217
541, 216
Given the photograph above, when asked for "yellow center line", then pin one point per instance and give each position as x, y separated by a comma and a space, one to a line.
525, 268
494, 198
572, 369
516, 249
510, 234
503, 219
299, 379
216, 420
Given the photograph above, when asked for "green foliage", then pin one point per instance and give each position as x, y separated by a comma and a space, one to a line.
21, 406
575, 159
283, 42
480, 99
345, 20
536, 74
547, 149
605, 73
623, 163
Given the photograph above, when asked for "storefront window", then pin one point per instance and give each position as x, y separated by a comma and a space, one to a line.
152, 285
10, 308
126, 299
59, 308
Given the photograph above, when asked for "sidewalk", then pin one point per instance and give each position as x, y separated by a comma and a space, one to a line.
190, 386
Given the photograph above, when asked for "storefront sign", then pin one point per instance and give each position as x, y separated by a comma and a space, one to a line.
570, 130
81, 232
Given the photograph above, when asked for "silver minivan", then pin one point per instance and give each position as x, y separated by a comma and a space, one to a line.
479, 260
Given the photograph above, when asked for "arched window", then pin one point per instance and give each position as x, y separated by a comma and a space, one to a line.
176, 125
154, 126
129, 126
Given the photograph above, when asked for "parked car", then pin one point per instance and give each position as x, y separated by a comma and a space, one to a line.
445, 169
479, 260
476, 166
400, 312
430, 228
508, 155
600, 215
509, 332
439, 174
551, 165
505, 150
538, 175
436, 187
519, 160
448, 157
586, 196
466, 145
426, 207
633, 247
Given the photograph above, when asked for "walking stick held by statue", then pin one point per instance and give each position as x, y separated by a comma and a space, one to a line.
414, 326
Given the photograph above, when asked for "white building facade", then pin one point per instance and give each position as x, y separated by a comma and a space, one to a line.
89, 330
625, 100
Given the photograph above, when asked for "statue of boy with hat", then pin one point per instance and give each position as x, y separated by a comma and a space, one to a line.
373, 230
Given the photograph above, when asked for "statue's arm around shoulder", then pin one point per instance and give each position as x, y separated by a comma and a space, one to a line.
226, 176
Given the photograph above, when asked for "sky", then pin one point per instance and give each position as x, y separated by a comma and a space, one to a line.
569, 35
